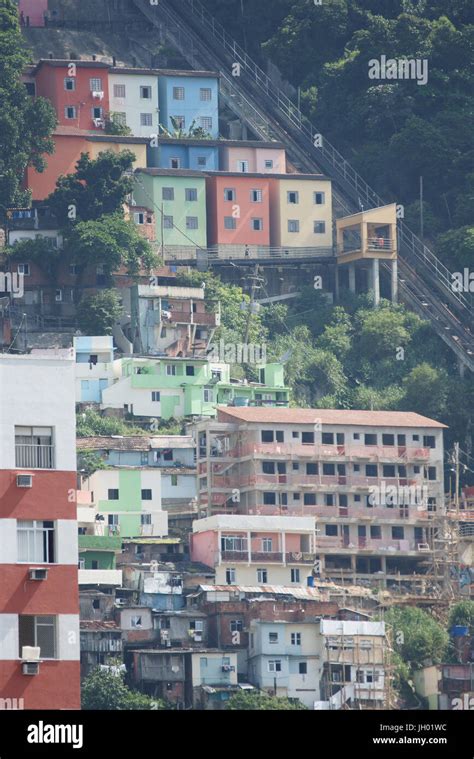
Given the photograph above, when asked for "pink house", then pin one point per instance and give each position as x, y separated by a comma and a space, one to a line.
250, 550
238, 208
253, 157
33, 12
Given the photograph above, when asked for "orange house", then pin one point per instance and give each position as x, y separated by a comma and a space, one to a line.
78, 90
69, 143
238, 210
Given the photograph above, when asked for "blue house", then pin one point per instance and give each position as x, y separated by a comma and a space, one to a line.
189, 96
95, 367
198, 155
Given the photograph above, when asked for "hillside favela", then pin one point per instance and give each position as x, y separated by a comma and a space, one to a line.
236, 357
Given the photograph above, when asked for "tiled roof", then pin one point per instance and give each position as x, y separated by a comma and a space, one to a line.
93, 625
128, 443
329, 416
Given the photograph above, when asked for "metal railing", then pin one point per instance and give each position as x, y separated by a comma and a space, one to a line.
30, 456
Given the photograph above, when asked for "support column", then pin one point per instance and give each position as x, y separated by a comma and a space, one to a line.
394, 281
376, 280
249, 547
352, 278
336, 281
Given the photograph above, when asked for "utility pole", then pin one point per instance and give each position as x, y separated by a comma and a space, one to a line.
456, 465
162, 233
422, 211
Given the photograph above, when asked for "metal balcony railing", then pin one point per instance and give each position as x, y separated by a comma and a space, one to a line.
30, 456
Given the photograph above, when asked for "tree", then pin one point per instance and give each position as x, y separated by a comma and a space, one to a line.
111, 242
178, 133
26, 124
106, 690
90, 423
97, 187
114, 126
416, 636
426, 390
97, 313
89, 462
40, 252
462, 614
259, 701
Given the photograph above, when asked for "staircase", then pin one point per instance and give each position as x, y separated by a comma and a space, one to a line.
425, 282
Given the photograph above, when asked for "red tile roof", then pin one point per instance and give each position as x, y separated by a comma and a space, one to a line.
327, 416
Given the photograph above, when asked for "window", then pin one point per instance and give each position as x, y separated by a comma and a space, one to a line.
309, 499
139, 218
155, 396
146, 119
432, 473
262, 576
34, 448
190, 371
327, 438
273, 637
144, 458
174, 480
230, 222
370, 439
307, 438
256, 196
192, 222
267, 545
206, 123
398, 533
38, 632
268, 163
302, 668
328, 499
295, 575
243, 167
136, 621
69, 84
293, 197
234, 543
36, 541
171, 370
230, 576
119, 91
70, 112
24, 269
208, 395
429, 441
319, 198
205, 94
191, 194
388, 470
229, 194
180, 121
112, 494
376, 532
203, 661
388, 440
293, 225
311, 468
257, 225
145, 519
202, 160
329, 469
319, 227
371, 470
178, 93
96, 112
274, 665
296, 639
95, 85
146, 495
168, 222
145, 93
196, 624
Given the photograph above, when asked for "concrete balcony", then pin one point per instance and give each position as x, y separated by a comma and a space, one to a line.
357, 545
369, 453
337, 513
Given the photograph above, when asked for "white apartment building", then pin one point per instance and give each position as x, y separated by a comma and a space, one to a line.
134, 100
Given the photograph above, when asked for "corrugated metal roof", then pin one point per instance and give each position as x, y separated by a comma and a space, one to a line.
282, 590
330, 416
128, 443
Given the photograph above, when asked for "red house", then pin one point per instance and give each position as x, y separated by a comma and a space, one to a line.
78, 90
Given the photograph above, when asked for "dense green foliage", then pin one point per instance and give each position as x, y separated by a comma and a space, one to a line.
105, 690
98, 312
91, 423
97, 187
392, 131
259, 701
462, 614
26, 124
416, 636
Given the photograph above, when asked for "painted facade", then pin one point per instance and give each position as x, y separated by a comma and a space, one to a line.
196, 155
254, 157
95, 367
179, 201
301, 211
38, 530
190, 96
255, 550
32, 12
134, 100
128, 502
238, 211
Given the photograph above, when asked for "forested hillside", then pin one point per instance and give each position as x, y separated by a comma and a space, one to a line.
393, 132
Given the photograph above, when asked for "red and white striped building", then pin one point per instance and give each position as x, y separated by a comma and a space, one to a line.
39, 604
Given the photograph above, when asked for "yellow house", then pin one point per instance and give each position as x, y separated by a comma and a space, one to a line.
362, 241
100, 143
301, 211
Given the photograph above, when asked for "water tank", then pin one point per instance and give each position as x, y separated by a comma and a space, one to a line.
311, 581
459, 631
